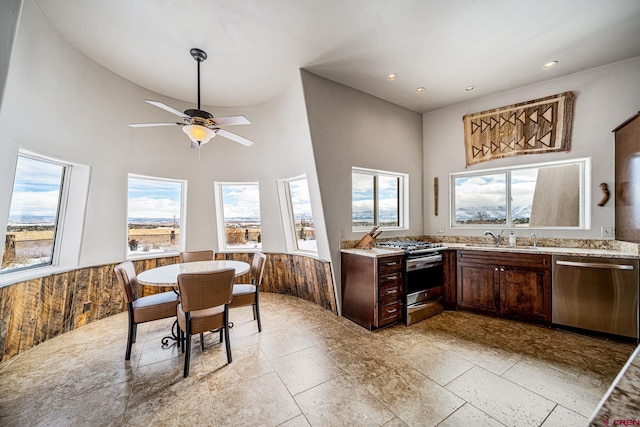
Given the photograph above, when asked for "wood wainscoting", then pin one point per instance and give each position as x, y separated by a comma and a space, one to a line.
36, 310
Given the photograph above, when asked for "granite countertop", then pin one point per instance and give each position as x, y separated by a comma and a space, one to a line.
621, 404
609, 253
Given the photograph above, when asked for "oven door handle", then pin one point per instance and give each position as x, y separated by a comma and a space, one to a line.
424, 304
422, 265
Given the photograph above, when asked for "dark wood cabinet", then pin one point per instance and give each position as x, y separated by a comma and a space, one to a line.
372, 289
627, 187
450, 300
512, 285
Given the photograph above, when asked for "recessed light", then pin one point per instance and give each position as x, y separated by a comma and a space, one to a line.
550, 64
420, 90
469, 88
392, 76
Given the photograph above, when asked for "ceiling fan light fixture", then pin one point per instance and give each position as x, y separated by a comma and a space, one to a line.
198, 133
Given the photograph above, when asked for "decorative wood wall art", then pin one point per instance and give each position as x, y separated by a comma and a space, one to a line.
538, 126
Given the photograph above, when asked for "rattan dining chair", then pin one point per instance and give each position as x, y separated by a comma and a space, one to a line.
142, 309
191, 256
204, 306
249, 294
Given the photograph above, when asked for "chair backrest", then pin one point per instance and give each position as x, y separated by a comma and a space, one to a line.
126, 274
191, 256
205, 290
257, 268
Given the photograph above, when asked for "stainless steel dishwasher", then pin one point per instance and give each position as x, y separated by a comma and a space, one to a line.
597, 294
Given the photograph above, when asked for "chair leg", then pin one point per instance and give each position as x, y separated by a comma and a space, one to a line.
135, 332
130, 337
256, 308
187, 356
226, 333
201, 341
221, 331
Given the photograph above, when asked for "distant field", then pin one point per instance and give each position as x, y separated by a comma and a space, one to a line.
22, 236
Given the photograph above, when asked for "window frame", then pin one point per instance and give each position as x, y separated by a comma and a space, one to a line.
584, 204
288, 214
220, 217
403, 199
58, 227
183, 205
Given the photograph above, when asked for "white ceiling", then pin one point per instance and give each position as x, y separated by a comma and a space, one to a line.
255, 47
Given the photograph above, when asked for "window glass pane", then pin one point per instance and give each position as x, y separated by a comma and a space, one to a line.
33, 214
481, 199
302, 216
388, 201
523, 185
241, 214
153, 215
362, 213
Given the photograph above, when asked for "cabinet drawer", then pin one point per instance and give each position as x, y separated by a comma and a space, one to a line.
393, 290
390, 311
389, 265
392, 279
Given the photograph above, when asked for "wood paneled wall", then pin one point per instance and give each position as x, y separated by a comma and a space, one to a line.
34, 311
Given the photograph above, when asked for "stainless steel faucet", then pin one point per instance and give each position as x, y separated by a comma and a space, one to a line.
535, 240
497, 239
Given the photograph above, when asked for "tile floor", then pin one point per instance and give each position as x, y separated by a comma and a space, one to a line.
310, 367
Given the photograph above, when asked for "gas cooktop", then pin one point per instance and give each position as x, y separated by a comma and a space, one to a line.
411, 246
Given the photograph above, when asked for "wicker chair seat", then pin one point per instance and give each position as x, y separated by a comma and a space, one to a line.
153, 307
208, 319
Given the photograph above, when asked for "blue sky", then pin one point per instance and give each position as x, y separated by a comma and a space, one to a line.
36, 188
362, 192
150, 198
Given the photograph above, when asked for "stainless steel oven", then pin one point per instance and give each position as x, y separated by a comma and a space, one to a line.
423, 286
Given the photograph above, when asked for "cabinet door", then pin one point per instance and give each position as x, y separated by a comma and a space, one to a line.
525, 293
478, 287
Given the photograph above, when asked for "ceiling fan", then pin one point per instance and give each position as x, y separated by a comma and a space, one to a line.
199, 125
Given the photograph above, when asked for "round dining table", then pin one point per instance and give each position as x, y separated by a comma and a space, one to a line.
167, 275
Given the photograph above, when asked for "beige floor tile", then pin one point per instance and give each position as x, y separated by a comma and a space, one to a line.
305, 369
299, 421
577, 392
438, 364
489, 357
414, 398
563, 417
468, 415
283, 342
503, 400
342, 402
263, 401
361, 365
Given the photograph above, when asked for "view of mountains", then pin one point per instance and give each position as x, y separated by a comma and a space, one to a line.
470, 215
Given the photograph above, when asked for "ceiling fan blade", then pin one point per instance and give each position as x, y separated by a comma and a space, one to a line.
148, 125
232, 120
237, 138
167, 108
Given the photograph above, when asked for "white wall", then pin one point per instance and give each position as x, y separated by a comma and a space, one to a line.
350, 128
605, 97
59, 103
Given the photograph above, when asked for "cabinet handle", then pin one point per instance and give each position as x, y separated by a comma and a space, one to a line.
496, 269
392, 291
393, 310
502, 269
394, 277
391, 263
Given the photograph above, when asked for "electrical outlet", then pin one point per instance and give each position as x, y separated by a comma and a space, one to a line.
86, 307
607, 231
440, 229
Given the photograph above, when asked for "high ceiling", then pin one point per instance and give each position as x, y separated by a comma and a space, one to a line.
256, 47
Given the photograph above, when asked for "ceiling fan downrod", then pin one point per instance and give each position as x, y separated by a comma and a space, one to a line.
199, 55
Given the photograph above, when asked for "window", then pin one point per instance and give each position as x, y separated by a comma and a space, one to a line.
34, 214
378, 199
154, 213
300, 215
239, 208
543, 196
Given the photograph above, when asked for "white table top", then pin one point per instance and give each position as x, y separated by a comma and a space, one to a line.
167, 275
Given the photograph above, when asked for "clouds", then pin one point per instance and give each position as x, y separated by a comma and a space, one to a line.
241, 201
149, 198
36, 188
